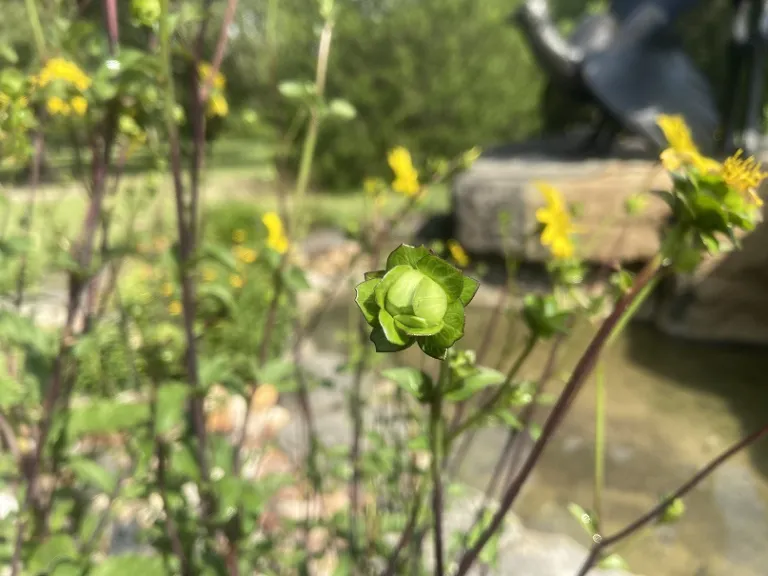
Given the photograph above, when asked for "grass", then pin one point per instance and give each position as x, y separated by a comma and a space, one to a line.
239, 174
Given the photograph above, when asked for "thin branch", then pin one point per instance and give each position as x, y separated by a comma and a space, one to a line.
579, 375
657, 511
221, 46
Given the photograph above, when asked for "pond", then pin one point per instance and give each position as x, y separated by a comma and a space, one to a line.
672, 406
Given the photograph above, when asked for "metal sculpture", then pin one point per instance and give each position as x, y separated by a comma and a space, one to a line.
630, 65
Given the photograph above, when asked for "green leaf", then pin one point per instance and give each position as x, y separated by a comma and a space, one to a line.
613, 562
383, 345
378, 274
432, 348
130, 565
366, 300
92, 473
342, 109
453, 328
449, 277
8, 54
171, 406
218, 254
415, 326
220, 295
481, 379
415, 382
510, 419
584, 519
405, 255
297, 90
276, 371
106, 416
295, 279
55, 550
468, 291
391, 331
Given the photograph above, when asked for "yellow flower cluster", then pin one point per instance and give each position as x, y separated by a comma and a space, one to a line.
246, 255
205, 70
558, 227
217, 104
65, 71
406, 176
276, 238
742, 174
239, 236
458, 253
58, 107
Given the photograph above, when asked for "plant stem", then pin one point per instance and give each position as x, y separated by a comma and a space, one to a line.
657, 511
356, 409
436, 448
37, 28
185, 246
575, 382
310, 140
599, 479
490, 404
406, 536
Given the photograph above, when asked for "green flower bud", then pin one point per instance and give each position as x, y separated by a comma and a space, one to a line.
673, 512
417, 298
146, 12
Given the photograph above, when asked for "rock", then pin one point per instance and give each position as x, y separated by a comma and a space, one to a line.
503, 182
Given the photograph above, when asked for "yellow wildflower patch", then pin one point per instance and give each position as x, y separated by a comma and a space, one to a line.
175, 308
458, 253
167, 289
406, 176
57, 107
236, 281
209, 275
276, 238
205, 70
218, 106
682, 150
558, 227
79, 105
65, 71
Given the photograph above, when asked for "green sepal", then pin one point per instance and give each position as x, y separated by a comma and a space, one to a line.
453, 326
377, 274
383, 345
430, 348
415, 326
391, 331
468, 291
386, 283
366, 300
405, 255
448, 277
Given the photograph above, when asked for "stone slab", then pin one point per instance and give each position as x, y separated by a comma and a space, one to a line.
504, 182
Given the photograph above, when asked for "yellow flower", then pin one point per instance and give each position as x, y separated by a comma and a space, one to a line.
236, 281
406, 176
239, 236
57, 106
5, 100
557, 223
246, 255
744, 175
217, 105
79, 105
458, 253
276, 238
167, 289
174, 308
205, 70
682, 151
209, 275
64, 70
